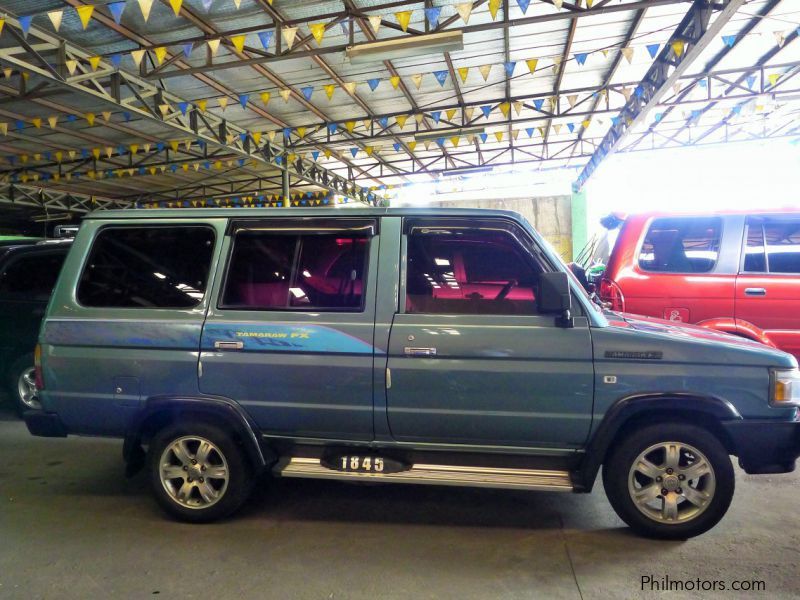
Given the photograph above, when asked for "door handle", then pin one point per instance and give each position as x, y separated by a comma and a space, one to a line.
228, 345
420, 351
755, 292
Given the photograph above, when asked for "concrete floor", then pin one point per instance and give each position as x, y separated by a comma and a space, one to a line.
72, 526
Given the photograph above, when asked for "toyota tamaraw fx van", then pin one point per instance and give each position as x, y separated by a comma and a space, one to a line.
437, 346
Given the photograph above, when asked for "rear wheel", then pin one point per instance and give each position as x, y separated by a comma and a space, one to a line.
671, 481
22, 385
198, 472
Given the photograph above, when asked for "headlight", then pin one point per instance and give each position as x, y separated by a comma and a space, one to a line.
786, 388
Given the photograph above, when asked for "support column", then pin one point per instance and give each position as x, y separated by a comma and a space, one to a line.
580, 223
287, 199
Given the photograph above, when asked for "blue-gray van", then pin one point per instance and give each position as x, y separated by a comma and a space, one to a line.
435, 346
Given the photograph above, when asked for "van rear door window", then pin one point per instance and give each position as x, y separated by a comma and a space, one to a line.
147, 267
681, 245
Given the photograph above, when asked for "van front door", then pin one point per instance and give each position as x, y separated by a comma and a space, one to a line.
470, 359
290, 336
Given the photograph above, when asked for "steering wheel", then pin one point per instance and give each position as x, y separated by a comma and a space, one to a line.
506, 289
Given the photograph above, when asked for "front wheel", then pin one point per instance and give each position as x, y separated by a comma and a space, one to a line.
198, 472
669, 481
22, 385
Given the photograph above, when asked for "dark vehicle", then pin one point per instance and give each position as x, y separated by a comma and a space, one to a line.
28, 272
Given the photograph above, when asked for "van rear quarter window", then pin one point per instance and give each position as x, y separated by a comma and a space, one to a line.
681, 245
147, 267
773, 246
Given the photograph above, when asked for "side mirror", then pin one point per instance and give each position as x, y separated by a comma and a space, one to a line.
555, 296
580, 275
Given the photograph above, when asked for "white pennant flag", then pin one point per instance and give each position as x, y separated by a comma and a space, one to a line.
464, 10
375, 23
289, 33
213, 45
145, 6
55, 18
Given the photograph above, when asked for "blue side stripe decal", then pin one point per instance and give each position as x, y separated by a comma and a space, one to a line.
285, 338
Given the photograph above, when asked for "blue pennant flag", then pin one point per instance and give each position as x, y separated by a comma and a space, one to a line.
187, 49
737, 109
307, 91
25, 24
142, 170
529, 131
47, 155
509, 67
20, 124
278, 160
373, 83
396, 146
72, 118
383, 122
696, 114
243, 98
580, 58
173, 168
207, 165
241, 162
483, 136
354, 151
658, 117
523, 5
315, 154
441, 76
243, 137
266, 38
116, 8
638, 91
184, 106
751, 80
84, 153
440, 141
615, 121
703, 83
333, 127
121, 150
436, 115
116, 60
652, 49
126, 115
201, 144
287, 132
160, 146
538, 103
571, 127
729, 40
486, 109
432, 14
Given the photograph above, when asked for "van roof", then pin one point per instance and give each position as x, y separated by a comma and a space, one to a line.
189, 213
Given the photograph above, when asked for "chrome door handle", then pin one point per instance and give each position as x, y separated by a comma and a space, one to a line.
228, 345
420, 351
755, 292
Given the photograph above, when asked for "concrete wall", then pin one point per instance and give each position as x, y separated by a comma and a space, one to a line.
550, 215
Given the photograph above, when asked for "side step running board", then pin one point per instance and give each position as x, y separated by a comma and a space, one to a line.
522, 479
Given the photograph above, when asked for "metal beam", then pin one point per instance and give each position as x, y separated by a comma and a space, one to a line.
56, 200
693, 35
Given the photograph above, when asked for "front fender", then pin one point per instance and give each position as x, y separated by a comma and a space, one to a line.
737, 327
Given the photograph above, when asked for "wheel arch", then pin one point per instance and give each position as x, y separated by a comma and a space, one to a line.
161, 411
738, 327
635, 411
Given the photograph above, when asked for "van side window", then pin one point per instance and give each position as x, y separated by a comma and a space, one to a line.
280, 271
773, 246
147, 267
469, 272
681, 245
31, 278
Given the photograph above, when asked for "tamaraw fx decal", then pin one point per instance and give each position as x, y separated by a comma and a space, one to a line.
285, 338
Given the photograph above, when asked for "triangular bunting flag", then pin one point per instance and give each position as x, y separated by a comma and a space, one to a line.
238, 42
401, 120
395, 81
432, 14
265, 96
89, 118
223, 102
572, 99
494, 5
318, 31
484, 71
265, 37
116, 9
468, 113
517, 104
25, 24
85, 14
627, 52
436, 116
403, 18
505, 108
160, 53
285, 94
411, 145
463, 72
580, 58
532, 62
373, 84
678, 46
94, 62
52, 121
307, 91
417, 79
136, 55
652, 49
486, 110
145, 6
451, 113
289, 34
441, 77
349, 125
375, 23
523, 5
55, 17
729, 40
509, 68
464, 10
106, 115
243, 98
498, 136
350, 87
213, 45
176, 6
329, 89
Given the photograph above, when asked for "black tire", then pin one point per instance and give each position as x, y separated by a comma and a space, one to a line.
21, 366
618, 466
233, 494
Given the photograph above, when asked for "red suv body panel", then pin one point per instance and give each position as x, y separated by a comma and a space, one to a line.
762, 306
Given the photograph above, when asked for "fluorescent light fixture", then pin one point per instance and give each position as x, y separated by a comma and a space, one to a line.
467, 171
405, 47
447, 133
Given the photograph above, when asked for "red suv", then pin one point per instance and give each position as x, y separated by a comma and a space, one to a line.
736, 272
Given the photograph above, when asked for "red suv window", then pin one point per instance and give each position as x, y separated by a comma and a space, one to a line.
773, 246
681, 245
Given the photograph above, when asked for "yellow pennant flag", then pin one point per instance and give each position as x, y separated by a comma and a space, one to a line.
7, 72
223, 102
515, 133
327, 153
301, 131
94, 62
145, 6
106, 115
85, 13
160, 53
238, 42
109, 151
59, 155
419, 117
367, 124
55, 18
174, 145
532, 62
285, 94
395, 81
164, 108
349, 125
329, 89
176, 6
318, 31
271, 135
463, 72
136, 55
72, 65
289, 35
72, 154
401, 120
417, 79
257, 137
454, 140
134, 148
403, 18
464, 10
484, 71
265, 96
498, 135
52, 121
369, 150
411, 145
586, 123
89, 118
187, 144
201, 104
678, 46
451, 112
517, 107
505, 108
773, 78
96, 153
494, 5
37, 122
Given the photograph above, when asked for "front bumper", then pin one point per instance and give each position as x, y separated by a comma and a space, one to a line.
765, 446
44, 424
